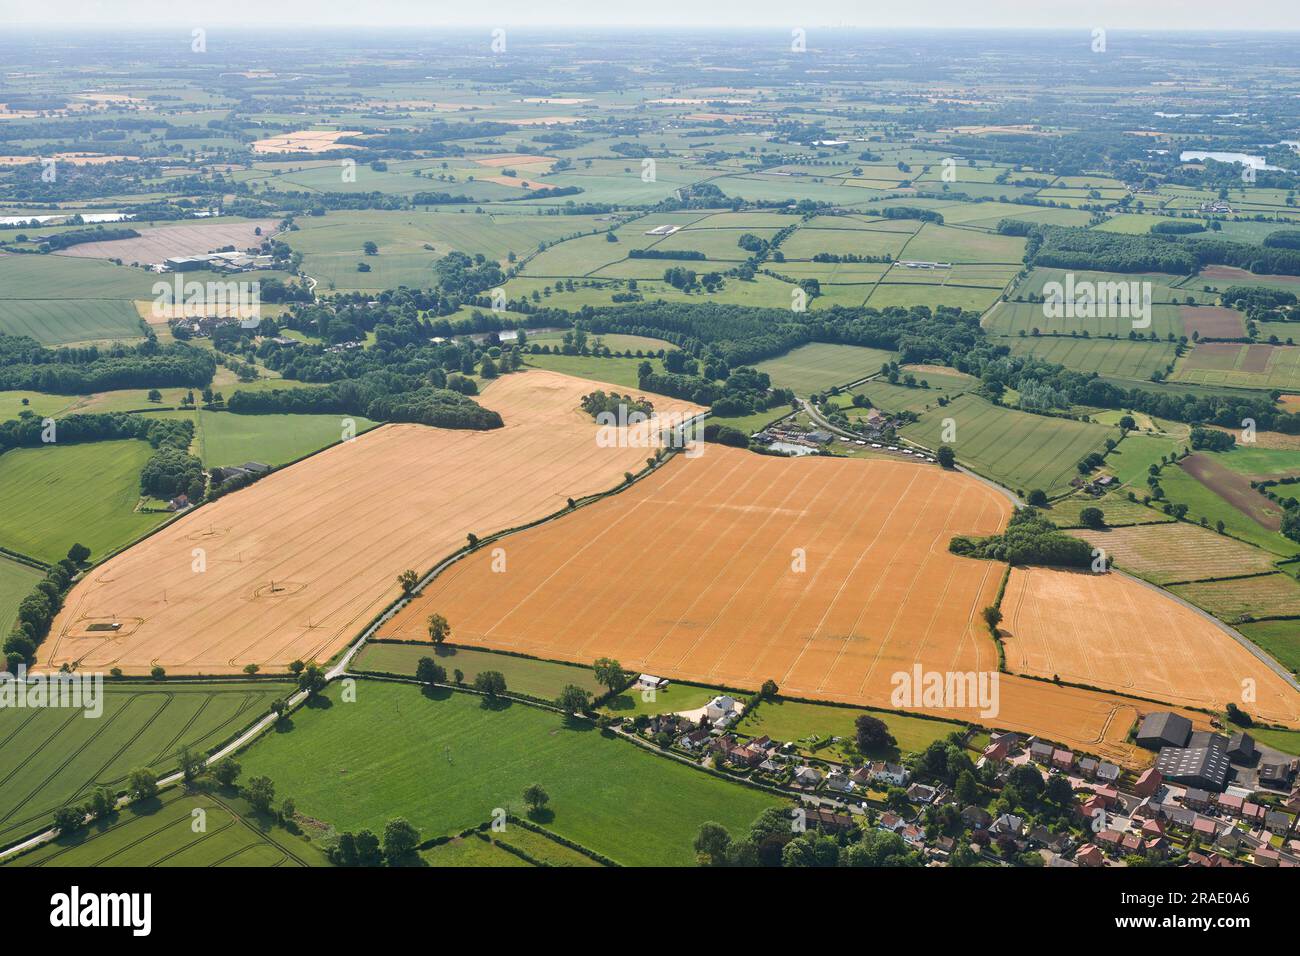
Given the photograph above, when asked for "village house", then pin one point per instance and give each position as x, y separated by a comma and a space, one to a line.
1089, 855
1275, 821
839, 781
807, 777
1062, 759
1230, 803
1148, 783
1108, 773
977, 818
922, 794
996, 752
1041, 752
891, 822
1009, 824
890, 773
722, 711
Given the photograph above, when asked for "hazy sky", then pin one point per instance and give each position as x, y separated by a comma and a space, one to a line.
1039, 14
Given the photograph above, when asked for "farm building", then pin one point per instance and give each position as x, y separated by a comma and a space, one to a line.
1203, 767
1163, 729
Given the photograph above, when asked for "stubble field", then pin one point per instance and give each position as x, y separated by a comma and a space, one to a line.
297, 564
1107, 630
692, 574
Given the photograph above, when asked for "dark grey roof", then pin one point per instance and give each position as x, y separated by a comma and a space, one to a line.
1242, 744
1202, 766
1164, 728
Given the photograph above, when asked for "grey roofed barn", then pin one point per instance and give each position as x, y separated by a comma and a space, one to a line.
1164, 728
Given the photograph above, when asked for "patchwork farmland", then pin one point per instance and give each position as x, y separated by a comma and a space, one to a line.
333, 633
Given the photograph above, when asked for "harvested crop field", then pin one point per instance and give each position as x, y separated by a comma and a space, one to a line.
693, 574
1211, 321
1108, 630
164, 242
298, 563
1245, 599
1232, 488
1177, 551
306, 141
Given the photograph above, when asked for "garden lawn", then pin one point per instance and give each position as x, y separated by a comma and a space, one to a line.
805, 724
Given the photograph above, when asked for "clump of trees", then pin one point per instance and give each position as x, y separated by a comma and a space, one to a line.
1030, 538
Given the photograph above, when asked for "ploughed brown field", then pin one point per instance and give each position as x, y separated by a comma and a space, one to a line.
1233, 488
1211, 321
300, 562
1108, 630
829, 576
165, 242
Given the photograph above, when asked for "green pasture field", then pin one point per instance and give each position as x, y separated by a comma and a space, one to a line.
57, 756
58, 495
613, 371
40, 404
852, 238
1165, 288
1248, 460
1014, 448
988, 215
65, 321
1245, 599
751, 423
817, 366
16, 582
1012, 318
229, 439
543, 848
1279, 638
1117, 358
58, 300
360, 764
525, 675
804, 724
1119, 511
1287, 741
1133, 456
942, 243
160, 832
615, 341
907, 398
907, 294
1285, 333
475, 850
332, 244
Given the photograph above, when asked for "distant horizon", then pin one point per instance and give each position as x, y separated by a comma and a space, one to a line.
1173, 16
